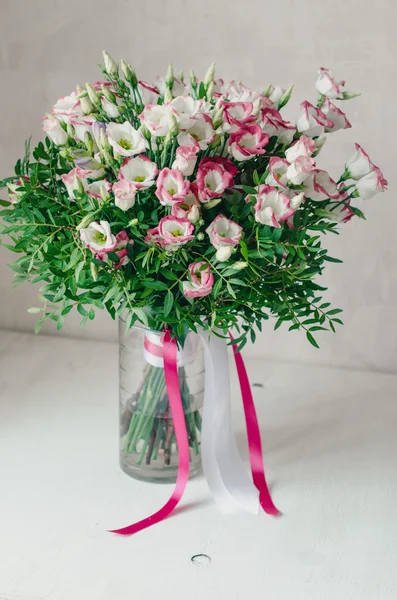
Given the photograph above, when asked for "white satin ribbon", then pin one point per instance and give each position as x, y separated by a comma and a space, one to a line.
228, 480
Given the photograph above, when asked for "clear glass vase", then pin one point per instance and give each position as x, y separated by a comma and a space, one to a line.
148, 449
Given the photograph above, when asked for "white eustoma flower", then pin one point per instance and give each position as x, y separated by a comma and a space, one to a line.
124, 139
327, 85
82, 125
140, 170
156, 118
67, 107
272, 206
371, 184
98, 237
200, 131
124, 194
55, 131
185, 109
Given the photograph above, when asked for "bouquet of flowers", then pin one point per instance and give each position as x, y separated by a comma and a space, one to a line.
183, 205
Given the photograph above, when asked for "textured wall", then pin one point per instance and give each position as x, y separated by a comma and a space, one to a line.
47, 46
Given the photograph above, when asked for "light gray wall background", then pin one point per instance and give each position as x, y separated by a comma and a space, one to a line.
47, 46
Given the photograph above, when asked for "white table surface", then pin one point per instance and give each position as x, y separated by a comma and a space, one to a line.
329, 438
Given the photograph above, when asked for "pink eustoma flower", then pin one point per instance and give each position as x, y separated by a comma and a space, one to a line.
171, 187
336, 115
272, 206
214, 176
246, 143
201, 280
312, 121
327, 85
175, 232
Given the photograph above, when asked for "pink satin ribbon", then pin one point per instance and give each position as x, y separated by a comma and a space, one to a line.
254, 436
169, 352
178, 416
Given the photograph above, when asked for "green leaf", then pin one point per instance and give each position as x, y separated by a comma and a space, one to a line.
38, 326
311, 339
168, 303
332, 259
244, 249
217, 287
334, 311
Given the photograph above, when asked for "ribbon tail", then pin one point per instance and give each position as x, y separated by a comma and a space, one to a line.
254, 436
223, 467
174, 396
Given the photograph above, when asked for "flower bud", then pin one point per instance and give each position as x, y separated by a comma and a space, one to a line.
285, 97
210, 91
104, 193
200, 236
129, 73
89, 142
108, 94
145, 132
173, 127
79, 186
94, 271
218, 117
193, 80
181, 76
167, 96
209, 76
240, 264
111, 67
85, 222
86, 105
70, 130
92, 94
103, 140
169, 78
133, 222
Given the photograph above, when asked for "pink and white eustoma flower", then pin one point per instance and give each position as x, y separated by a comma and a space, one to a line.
359, 164
94, 188
215, 174
186, 158
13, 194
178, 87
185, 110
336, 115
171, 187
93, 166
305, 146
156, 118
201, 280
140, 170
274, 93
201, 131
124, 194
246, 143
224, 234
175, 232
236, 115
327, 85
125, 140
312, 121
67, 107
149, 93
120, 249
82, 125
189, 208
300, 169
342, 213
55, 131
272, 123
272, 206
235, 91
320, 186
278, 172
371, 184
74, 180
98, 237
